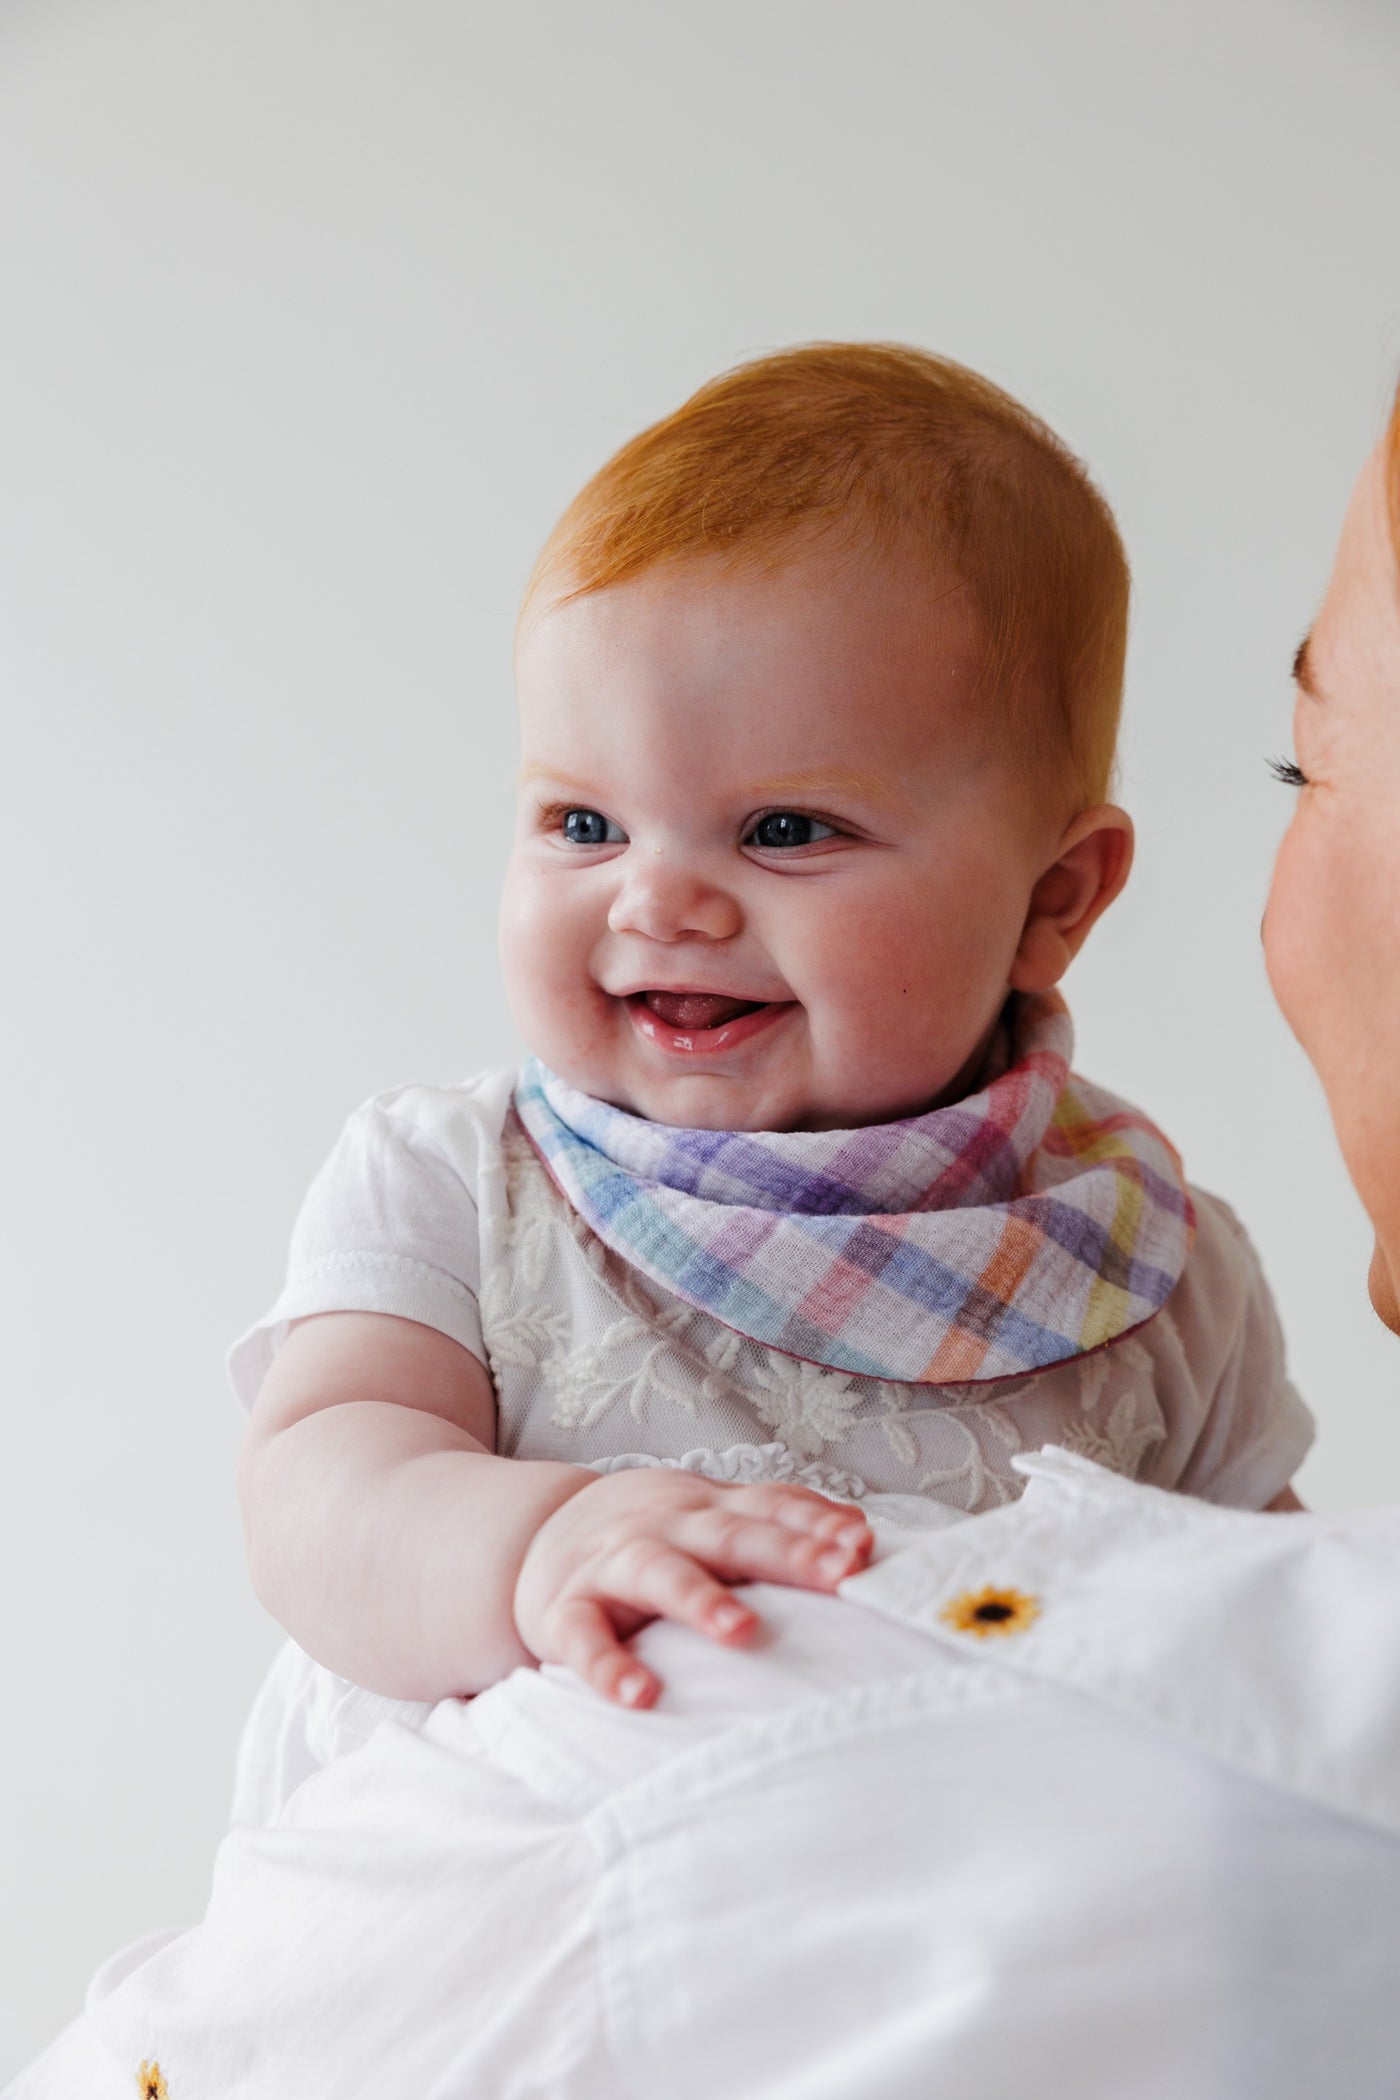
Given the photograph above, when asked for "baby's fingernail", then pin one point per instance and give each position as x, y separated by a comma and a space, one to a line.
633, 1688
836, 1562
730, 1617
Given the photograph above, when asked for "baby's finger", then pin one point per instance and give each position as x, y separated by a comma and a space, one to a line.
760, 1549
798, 1509
585, 1640
833, 1521
663, 1582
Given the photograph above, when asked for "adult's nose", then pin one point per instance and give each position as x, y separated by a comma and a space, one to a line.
665, 898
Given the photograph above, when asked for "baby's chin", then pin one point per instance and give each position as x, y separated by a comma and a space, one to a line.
723, 1101
710, 1101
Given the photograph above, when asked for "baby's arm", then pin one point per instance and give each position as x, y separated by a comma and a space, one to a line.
398, 1549
1237, 1431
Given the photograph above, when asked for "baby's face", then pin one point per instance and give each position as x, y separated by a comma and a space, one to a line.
769, 872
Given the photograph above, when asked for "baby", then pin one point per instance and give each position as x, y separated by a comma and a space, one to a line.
798, 1199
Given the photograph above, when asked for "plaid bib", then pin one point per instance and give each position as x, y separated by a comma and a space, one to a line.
1027, 1224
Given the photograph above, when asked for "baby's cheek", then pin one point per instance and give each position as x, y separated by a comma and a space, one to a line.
542, 955
896, 955
548, 935
905, 992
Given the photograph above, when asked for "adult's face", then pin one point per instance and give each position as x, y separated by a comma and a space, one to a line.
1332, 931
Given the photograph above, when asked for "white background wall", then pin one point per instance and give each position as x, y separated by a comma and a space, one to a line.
311, 318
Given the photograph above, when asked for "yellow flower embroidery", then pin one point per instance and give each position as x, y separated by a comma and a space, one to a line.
990, 1610
149, 2082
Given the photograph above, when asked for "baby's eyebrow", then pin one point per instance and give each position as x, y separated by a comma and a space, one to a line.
1303, 670
822, 785
535, 771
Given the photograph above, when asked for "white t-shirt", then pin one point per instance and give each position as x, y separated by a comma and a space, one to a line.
1143, 1842
434, 1206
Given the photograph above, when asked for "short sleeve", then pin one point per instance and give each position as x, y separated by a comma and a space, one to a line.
1241, 1430
391, 1223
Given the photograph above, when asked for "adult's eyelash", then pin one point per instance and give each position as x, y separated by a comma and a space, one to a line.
1291, 775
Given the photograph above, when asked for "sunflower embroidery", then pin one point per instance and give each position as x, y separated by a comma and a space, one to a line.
149, 2082
990, 1611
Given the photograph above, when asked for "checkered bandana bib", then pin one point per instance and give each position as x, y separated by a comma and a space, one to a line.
1025, 1225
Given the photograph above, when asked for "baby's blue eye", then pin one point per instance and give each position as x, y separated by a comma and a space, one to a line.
588, 827
785, 827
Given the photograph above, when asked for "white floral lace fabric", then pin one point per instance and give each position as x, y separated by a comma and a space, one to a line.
434, 1207
591, 1361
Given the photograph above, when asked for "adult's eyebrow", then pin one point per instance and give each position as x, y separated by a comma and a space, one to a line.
1303, 670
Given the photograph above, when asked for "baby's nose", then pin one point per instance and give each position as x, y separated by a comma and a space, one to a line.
664, 898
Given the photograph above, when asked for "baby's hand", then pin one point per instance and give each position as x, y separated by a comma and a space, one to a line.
654, 1543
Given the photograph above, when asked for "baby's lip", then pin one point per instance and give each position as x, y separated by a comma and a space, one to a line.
688, 1024
697, 1009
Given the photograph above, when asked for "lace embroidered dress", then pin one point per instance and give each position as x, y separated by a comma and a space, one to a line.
434, 1206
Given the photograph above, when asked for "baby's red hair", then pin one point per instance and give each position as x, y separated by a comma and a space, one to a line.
872, 445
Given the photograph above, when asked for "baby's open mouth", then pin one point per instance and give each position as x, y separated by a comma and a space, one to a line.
698, 1009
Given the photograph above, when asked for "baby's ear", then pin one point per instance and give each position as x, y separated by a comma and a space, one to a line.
1090, 867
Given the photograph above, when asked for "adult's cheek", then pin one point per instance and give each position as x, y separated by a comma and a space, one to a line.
1381, 1286
1289, 937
